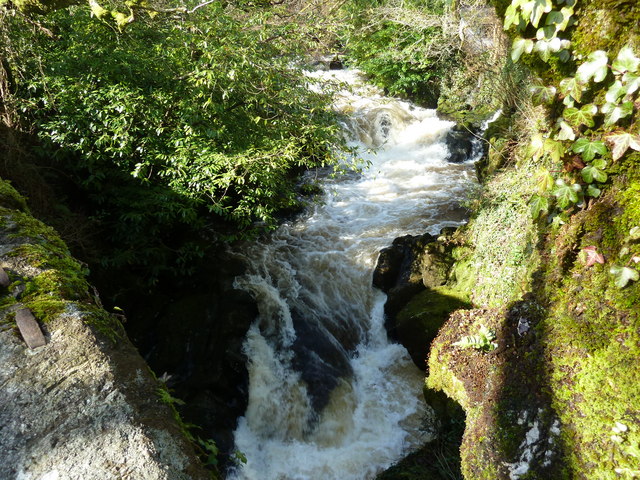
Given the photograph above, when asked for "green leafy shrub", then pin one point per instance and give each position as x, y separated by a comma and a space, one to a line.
173, 129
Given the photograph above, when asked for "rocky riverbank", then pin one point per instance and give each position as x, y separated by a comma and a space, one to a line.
85, 404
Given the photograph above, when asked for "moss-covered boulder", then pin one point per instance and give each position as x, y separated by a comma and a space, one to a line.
417, 324
511, 431
84, 405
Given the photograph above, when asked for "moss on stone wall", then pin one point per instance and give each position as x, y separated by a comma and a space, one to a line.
568, 363
45, 277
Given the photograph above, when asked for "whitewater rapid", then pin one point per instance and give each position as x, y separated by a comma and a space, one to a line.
329, 396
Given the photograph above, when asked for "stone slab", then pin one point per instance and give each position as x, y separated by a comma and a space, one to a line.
29, 328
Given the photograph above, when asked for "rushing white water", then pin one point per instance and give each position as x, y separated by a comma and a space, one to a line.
329, 396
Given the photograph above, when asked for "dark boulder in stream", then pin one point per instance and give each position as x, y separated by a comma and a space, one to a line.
413, 272
194, 336
460, 144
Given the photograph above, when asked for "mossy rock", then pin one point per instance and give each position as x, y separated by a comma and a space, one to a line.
10, 198
417, 324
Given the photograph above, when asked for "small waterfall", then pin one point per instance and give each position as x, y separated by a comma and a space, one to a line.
330, 397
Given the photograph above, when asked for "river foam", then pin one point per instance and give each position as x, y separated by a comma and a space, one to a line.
329, 396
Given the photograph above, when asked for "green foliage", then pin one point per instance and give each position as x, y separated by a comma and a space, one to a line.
589, 148
590, 126
405, 56
172, 129
483, 340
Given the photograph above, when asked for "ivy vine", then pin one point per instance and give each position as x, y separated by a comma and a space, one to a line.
586, 136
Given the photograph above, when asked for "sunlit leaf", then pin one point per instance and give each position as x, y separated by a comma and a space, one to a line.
570, 86
538, 205
536, 146
613, 112
594, 68
540, 7
631, 82
566, 195
616, 90
566, 132
626, 61
634, 233
623, 275
583, 116
554, 149
620, 141
511, 17
520, 46
555, 44
590, 256
591, 173
542, 95
589, 149
544, 181
544, 49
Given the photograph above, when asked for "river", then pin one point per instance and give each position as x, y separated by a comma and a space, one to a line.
330, 397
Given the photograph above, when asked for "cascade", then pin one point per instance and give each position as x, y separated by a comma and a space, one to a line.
329, 396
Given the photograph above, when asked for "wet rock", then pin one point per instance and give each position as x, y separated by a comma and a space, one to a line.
398, 274
460, 144
321, 360
196, 337
336, 64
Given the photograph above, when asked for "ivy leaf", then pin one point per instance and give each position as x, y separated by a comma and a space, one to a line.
544, 49
595, 67
542, 95
540, 7
626, 61
591, 173
620, 141
544, 181
616, 90
591, 256
547, 32
593, 191
584, 116
613, 113
632, 82
555, 44
567, 14
512, 17
556, 19
634, 233
589, 149
566, 132
599, 163
566, 194
555, 149
520, 46
570, 86
536, 146
538, 204
623, 275
564, 55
